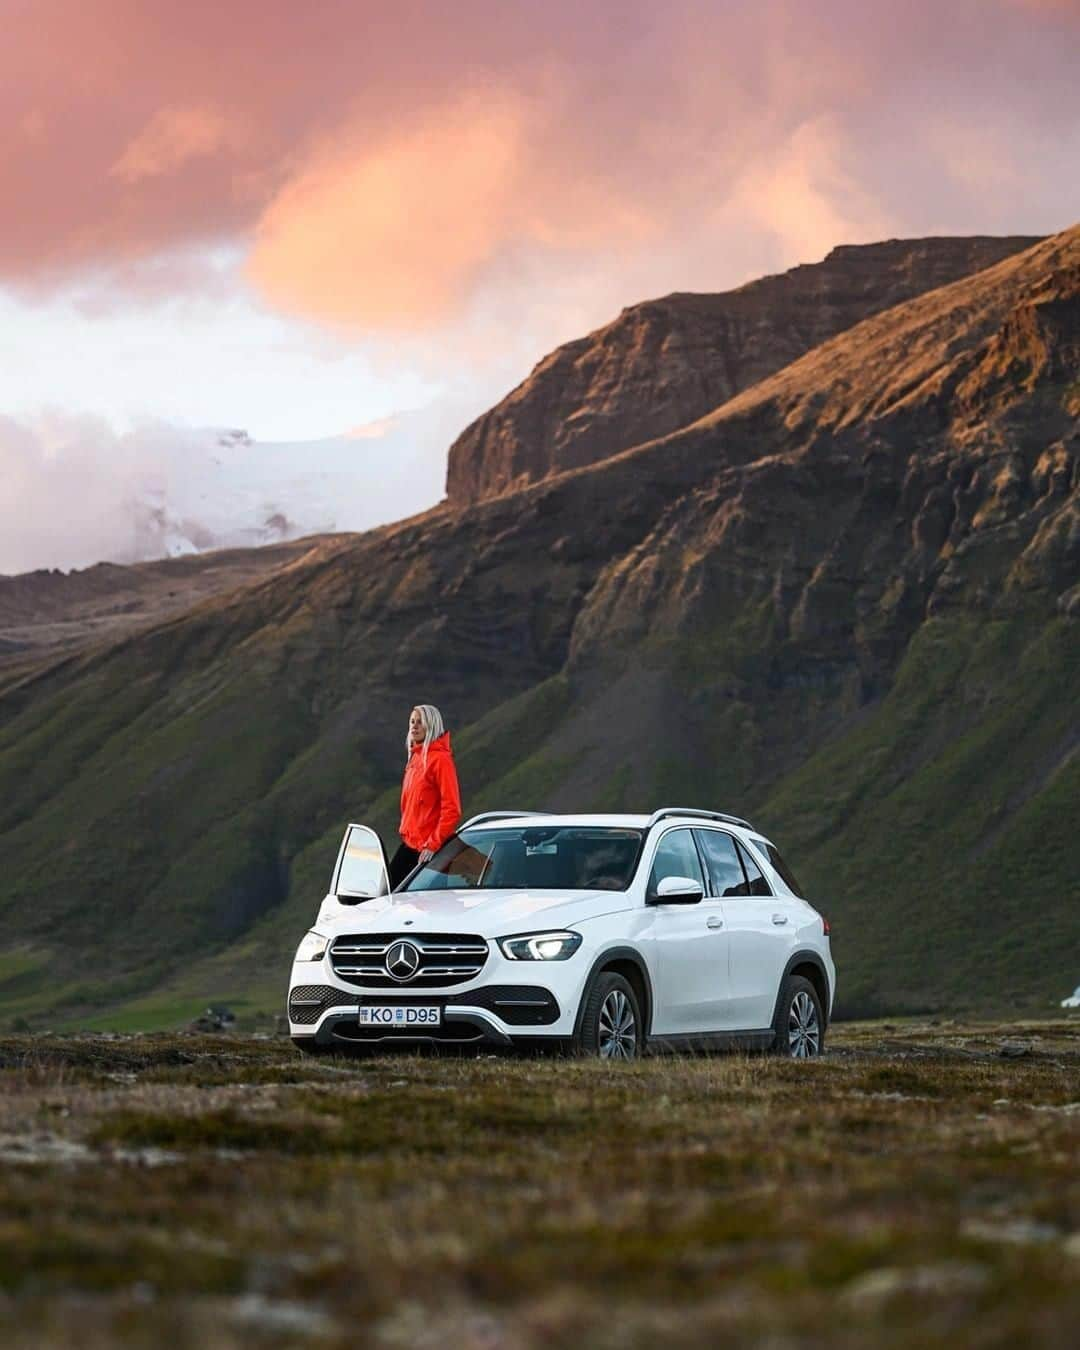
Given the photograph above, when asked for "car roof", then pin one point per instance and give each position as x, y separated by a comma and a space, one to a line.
613, 820
546, 818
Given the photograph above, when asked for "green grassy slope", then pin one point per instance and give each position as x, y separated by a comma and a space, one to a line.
941, 832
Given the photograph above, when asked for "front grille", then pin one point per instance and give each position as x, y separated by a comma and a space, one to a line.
308, 1002
365, 960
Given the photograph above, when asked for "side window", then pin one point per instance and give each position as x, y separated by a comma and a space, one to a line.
723, 863
754, 874
784, 871
676, 856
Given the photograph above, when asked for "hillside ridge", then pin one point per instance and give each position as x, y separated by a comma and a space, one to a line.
664, 363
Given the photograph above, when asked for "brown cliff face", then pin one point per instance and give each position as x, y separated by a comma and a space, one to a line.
663, 364
927, 454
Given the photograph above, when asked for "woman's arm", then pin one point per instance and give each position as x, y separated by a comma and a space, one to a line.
446, 780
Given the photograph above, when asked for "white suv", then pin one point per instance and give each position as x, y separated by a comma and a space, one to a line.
606, 933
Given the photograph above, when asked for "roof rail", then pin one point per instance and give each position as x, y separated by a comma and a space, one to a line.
695, 814
498, 815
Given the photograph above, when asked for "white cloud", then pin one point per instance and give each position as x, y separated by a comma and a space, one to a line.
66, 482
213, 357
77, 492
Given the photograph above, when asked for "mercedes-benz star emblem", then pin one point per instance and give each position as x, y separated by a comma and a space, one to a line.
402, 961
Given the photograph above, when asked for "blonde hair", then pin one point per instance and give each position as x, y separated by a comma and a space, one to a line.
433, 727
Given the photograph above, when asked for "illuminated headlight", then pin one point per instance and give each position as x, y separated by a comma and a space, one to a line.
540, 946
312, 947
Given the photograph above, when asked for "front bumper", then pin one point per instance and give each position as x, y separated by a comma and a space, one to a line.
460, 1026
503, 1015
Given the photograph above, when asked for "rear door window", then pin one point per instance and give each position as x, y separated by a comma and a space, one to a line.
754, 875
722, 860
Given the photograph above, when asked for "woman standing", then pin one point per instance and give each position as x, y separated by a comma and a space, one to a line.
430, 799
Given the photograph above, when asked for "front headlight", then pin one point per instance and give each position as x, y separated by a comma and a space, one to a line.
540, 946
312, 947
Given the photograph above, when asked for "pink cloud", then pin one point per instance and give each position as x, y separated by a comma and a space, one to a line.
406, 166
429, 203
172, 138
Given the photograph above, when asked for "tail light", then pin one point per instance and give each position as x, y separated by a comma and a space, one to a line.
826, 925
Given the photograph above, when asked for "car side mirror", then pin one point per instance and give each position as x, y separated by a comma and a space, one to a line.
678, 891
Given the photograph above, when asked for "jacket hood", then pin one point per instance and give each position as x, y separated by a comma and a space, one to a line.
441, 743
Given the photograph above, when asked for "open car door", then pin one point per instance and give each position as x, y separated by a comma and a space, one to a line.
361, 872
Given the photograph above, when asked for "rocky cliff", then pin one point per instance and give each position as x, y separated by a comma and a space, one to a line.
665, 363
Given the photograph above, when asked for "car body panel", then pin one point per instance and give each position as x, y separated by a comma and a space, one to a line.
508, 911
688, 945
762, 934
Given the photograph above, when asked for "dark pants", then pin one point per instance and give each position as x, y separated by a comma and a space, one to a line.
401, 864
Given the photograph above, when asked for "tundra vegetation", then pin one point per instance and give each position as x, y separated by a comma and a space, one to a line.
918, 1185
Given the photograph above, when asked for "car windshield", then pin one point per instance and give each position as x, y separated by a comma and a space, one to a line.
546, 857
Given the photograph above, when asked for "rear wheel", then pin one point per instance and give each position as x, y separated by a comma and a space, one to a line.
611, 1025
800, 1025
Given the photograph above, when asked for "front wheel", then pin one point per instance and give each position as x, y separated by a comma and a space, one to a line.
800, 1025
611, 1025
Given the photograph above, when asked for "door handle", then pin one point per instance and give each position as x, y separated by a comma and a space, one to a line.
779, 918
714, 921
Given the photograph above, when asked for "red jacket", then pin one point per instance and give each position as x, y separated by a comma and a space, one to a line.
430, 799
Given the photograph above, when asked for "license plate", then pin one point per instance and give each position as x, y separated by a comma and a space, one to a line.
395, 1015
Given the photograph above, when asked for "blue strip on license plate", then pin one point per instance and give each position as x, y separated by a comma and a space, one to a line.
397, 1015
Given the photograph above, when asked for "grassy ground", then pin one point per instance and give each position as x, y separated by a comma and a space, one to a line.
919, 1185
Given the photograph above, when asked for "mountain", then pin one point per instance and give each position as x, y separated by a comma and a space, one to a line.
47, 612
665, 363
843, 602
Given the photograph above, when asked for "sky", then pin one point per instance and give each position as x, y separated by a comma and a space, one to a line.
346, 228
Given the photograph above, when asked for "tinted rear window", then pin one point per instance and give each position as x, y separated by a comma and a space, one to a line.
725, 869
783, 870
756, 883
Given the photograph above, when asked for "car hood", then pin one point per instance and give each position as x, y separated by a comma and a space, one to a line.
494, 913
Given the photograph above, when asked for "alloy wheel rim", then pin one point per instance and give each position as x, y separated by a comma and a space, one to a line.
618, 1027
804, 1032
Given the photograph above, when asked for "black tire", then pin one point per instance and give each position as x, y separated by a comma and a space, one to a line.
611, 1025
799, 1029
